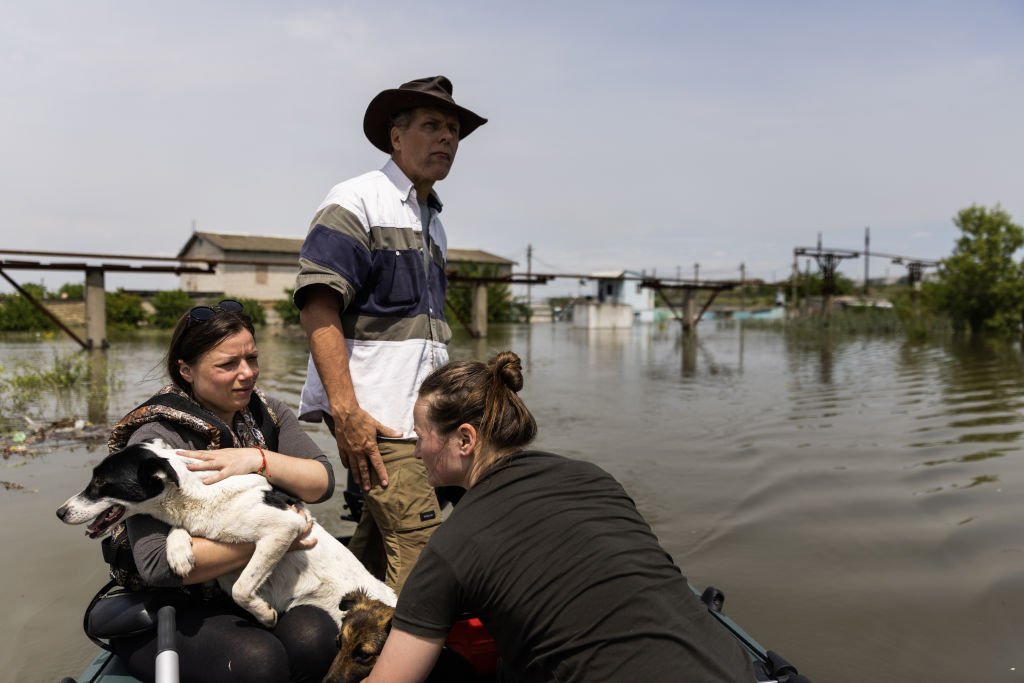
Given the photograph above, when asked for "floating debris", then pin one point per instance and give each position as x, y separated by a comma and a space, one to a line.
36, 438
12, 486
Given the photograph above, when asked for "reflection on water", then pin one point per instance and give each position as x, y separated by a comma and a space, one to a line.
857, 498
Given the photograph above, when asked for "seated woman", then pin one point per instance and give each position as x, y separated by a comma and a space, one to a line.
549, 552
214, 412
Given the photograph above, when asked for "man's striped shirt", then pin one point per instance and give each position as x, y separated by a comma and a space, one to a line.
366, 242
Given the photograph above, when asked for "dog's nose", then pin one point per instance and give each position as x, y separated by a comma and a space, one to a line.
62, 512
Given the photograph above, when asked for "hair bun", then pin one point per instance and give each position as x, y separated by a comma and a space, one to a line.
509, 370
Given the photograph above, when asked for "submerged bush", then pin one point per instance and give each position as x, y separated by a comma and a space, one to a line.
253, 309
169, 306
23, 386
124, 310
286, 309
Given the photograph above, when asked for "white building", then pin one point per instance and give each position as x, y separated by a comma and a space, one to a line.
618, 300
268, 281
263, 282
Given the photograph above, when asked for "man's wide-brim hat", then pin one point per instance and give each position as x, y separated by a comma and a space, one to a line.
434, 92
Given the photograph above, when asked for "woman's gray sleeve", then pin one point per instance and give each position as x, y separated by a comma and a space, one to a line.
148, 537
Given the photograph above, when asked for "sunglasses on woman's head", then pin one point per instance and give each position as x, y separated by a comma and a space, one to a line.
200, 314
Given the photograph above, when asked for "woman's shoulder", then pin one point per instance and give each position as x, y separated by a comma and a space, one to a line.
533, 460
534, 468
277, 405
169, 434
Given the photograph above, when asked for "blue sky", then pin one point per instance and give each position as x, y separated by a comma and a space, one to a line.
641, 135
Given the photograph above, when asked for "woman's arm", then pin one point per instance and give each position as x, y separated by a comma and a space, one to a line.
300, 477
406, 658
299, 467
214, 559
148, 538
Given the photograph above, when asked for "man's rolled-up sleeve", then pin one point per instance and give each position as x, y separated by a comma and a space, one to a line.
336, 253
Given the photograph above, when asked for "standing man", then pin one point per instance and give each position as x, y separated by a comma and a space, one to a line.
371, 290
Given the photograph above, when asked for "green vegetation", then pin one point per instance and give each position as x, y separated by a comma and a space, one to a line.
978, 289
253, 309
168, 307
500, 306
24, 384
71, 291
124, 310
286, 309
981, 286
17, 314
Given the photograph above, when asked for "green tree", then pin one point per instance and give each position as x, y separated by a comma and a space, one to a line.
286, 309
981, 285
75, 291
813, 284
500, 307
169, 306
124, 309
254, 309
18, 314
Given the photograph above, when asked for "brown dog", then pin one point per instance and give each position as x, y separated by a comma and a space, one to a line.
364, 629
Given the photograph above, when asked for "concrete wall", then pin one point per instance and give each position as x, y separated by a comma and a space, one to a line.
591, 315
71, 313
264, 283
620, 291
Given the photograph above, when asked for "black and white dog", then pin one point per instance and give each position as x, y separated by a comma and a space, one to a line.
151, 479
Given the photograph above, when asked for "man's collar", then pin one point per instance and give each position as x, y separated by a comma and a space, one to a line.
404, 185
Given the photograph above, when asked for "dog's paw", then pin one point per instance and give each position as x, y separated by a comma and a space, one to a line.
269, 619
179, 552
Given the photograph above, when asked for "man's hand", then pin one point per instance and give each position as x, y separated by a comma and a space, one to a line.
356, 433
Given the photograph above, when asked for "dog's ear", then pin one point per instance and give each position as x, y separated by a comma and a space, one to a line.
351, 599
155, 473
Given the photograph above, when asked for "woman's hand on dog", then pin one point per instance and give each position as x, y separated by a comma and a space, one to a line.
224, 462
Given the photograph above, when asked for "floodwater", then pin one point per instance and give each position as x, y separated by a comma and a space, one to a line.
858, 499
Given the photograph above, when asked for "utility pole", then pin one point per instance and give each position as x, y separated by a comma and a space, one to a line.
794, 282
743, 286
696, 272
529, 273
867, 253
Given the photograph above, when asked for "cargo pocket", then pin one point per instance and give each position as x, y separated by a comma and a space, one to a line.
408, 502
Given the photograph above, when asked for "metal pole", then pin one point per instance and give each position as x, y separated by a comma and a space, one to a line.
166, 664
867, 253
793, 281
743, 286
529, 271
